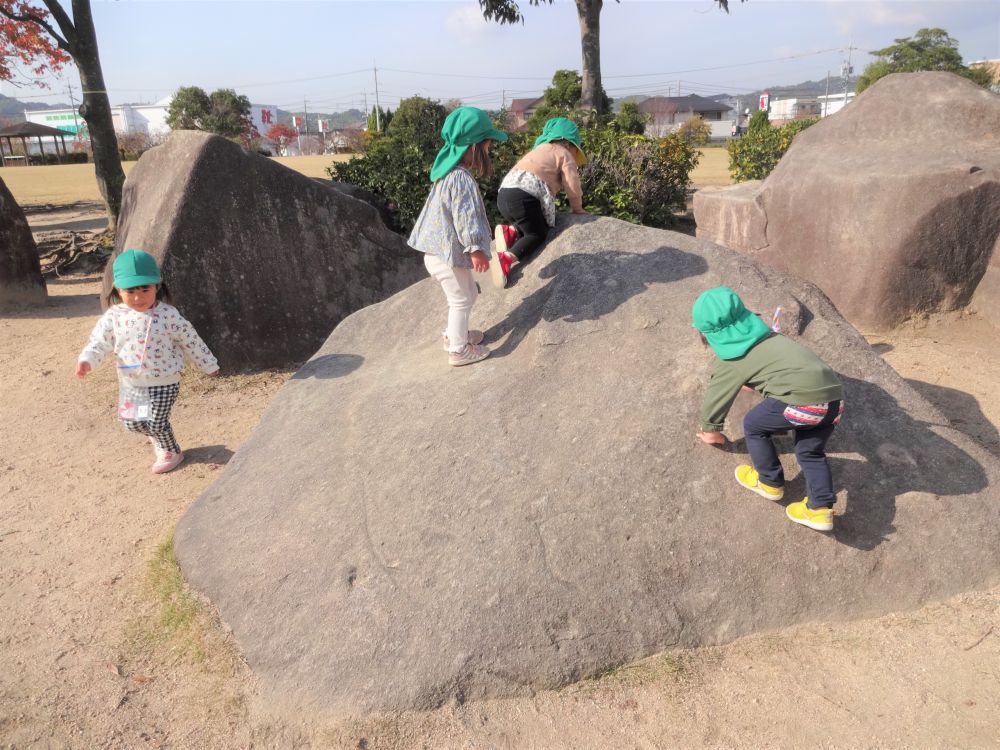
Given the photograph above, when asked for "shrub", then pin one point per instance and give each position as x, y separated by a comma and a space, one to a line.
632, 177
695, 130
635, 178
133, 145
630, 120
757, 152
394, 170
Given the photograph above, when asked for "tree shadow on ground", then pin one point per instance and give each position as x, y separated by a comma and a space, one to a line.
59, 306
329, 366
588, 286
898, 454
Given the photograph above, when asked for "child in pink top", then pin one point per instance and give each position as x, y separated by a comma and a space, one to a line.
527, 194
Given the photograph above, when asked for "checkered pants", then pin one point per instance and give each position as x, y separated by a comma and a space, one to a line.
158, 427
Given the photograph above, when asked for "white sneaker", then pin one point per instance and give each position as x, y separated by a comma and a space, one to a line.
166, 461
475, 337
469, 354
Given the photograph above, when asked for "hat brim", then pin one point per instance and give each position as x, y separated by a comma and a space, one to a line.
451, 154
130, 282
735, 340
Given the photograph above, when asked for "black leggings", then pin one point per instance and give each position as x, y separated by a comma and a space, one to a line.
524, 211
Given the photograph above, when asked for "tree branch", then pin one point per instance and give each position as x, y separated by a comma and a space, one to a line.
65, 22
38, 20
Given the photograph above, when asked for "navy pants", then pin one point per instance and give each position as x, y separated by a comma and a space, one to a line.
524, 211
767, 418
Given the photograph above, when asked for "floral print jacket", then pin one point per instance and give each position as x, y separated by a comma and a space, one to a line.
156, 339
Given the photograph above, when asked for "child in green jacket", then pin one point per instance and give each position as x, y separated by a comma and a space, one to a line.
801, 393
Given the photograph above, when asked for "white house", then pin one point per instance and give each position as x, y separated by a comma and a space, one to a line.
833, 103
797, 108
668, 113
139, 118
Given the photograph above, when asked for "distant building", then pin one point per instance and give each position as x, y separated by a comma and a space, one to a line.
798, 108
667, 113
829, 105
138, 118
521, 111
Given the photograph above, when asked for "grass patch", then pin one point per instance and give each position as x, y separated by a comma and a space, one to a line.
178, 608
670, 666
177, 624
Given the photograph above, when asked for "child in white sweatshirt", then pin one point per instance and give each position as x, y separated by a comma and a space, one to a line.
149, 339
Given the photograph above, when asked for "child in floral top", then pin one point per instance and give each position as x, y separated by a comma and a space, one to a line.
452, 230
149, 338
527, 194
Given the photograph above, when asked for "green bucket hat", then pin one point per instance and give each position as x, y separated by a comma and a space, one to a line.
135, 268
561, 129
730, 329
464, 127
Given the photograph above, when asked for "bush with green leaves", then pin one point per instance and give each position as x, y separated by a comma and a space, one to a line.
632, 177
635, 178
756, 153
695, 130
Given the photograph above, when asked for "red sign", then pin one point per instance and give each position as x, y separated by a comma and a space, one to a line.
266, 117
296, 122
765, 99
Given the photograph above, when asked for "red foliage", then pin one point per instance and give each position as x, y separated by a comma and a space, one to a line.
282, 134
26, 42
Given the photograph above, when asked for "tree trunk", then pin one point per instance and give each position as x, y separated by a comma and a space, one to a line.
96, 111
590, 36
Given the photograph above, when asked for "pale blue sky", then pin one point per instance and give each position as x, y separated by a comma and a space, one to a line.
280, 52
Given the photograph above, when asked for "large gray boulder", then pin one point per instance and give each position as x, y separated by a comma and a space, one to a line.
21, 281
397, 533
891, 206
261, 259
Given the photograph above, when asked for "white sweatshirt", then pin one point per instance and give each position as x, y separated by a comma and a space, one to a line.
123, 331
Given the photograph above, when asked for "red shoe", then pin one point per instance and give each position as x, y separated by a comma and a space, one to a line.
500, 267
509, 235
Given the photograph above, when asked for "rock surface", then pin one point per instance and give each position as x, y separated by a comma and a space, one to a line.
397, 534
262, 260
891, 206
21, 281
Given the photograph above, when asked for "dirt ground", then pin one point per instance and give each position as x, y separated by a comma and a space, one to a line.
101, 646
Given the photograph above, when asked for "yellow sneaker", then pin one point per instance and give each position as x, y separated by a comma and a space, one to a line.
820, 519
748, 477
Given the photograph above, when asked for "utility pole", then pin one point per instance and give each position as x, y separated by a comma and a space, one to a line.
72, 103
678, 88
846, 71
378, 108
305, 114
826, 99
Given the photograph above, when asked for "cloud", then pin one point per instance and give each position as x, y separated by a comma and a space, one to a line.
466, 22
852, 17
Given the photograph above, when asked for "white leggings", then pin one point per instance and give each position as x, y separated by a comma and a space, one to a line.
461, 292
